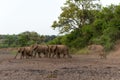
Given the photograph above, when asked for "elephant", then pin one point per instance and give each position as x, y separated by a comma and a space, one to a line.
103, 55
52, 50
62, 50
38, 49
25, 52
21, 51
28, 52
98, 49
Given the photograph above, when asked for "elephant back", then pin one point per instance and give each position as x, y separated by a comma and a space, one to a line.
62, 48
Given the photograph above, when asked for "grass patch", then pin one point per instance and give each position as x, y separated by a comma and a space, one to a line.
80, 51
13, 52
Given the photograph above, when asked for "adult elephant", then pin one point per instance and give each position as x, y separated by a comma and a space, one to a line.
62, 50
52, 50
26, 52
40, 49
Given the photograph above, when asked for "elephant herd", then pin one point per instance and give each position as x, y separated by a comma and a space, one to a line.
47, 51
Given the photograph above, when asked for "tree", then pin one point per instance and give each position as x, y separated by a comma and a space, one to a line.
75, 14
10, 40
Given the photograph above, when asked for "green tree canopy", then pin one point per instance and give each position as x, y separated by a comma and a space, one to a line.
88, 23
75, 14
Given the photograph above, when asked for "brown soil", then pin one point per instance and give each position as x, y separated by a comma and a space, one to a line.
80, 67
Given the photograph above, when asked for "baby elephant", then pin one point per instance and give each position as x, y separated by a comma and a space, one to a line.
98, 49
102, 55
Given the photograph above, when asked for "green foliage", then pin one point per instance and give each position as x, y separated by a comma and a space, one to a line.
88, 25
110, 35
106, 28
75, 14
84, 21
23, 39
57, 40
78, 51
82, 51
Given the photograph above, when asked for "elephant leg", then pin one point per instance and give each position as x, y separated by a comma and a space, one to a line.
104, 55
64, 55
39, 54
69, 56
101, 55
53, 54
16, 55
27, 56
49, 54
45, 54
31, 55
58, 55
34, 55
21, 56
